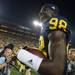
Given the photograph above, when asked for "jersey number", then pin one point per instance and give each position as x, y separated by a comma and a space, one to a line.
58, 24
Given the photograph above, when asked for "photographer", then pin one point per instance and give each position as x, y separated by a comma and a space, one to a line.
5, 59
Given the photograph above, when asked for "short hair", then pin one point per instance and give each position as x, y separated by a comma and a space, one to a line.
10, 46
51, 7
25, 47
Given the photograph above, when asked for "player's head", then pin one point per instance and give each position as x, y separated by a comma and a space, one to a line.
48, 10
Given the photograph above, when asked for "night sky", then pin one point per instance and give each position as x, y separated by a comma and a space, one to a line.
25, 11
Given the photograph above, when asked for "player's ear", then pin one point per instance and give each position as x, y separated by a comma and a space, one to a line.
46, 10
49, 12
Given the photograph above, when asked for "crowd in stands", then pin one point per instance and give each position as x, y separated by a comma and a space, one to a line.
18, 41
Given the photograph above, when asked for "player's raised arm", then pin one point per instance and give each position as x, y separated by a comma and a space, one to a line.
57, 53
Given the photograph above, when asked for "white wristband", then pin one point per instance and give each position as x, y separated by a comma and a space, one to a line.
29, 59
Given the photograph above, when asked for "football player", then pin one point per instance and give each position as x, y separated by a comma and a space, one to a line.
53, 39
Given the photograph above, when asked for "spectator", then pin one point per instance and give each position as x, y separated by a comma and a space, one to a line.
5, 58
71, 64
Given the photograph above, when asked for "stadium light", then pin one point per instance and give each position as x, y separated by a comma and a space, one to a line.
37, 23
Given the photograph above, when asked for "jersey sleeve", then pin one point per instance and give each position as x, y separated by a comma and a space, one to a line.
59, 23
